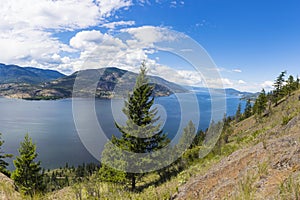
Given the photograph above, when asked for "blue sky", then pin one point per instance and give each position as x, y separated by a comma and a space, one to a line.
250, 42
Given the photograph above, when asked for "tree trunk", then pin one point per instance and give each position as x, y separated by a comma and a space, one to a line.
133, 182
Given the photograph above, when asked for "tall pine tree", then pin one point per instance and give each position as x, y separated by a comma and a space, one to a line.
238, 113
248, 109
141, 134
188, 135
290, 85
260, 104
3, 163
278, 85
27, 175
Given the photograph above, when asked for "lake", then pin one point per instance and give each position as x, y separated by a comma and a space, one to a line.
51, 124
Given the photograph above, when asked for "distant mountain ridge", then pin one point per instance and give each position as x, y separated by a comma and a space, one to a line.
35, 83
29, 83
30, 75
227, 91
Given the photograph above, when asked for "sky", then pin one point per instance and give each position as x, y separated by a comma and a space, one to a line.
249, 42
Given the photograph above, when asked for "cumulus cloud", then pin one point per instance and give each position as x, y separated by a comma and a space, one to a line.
148, 35
44, 14
27, 27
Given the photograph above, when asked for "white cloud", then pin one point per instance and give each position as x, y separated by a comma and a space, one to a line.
173, 4
176, 3
87, 39
147, 36
241, 82
267, 85
108, 7
226, 82
27, 27
183, 77
237, 70
113, 25
62, 15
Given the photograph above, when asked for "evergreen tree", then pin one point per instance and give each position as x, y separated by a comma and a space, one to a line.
248, 109
199, 138
290, 85
3, 163
106, 173
260, 104
27, 174
238, 113
188, 135
140, 134
278, 84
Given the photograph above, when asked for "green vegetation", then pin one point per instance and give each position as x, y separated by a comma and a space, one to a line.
260, 104
27, 174
140, 135
290, 188
3, 163
248, 109
238, 114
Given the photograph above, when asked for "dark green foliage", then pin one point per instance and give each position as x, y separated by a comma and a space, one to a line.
260, 104
67, 176
238, 114
224, 137
291, 85
3, 163
199, 138
107, 173
27, 175
278, 85
248, 109
140, 134
188, 135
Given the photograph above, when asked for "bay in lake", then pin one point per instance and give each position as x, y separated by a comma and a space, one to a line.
51, 124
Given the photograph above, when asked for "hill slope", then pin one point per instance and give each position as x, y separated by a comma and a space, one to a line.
266, 167
30, 75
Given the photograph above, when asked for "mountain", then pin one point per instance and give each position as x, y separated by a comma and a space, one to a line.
109, 83
29, 75
228, 91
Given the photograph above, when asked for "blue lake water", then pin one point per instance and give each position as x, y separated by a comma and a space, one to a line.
51, 124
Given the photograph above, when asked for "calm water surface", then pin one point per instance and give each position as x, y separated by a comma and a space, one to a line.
52, 128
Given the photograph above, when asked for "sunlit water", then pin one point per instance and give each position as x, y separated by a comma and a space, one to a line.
52, 128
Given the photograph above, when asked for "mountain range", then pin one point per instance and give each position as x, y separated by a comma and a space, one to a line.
34, 83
